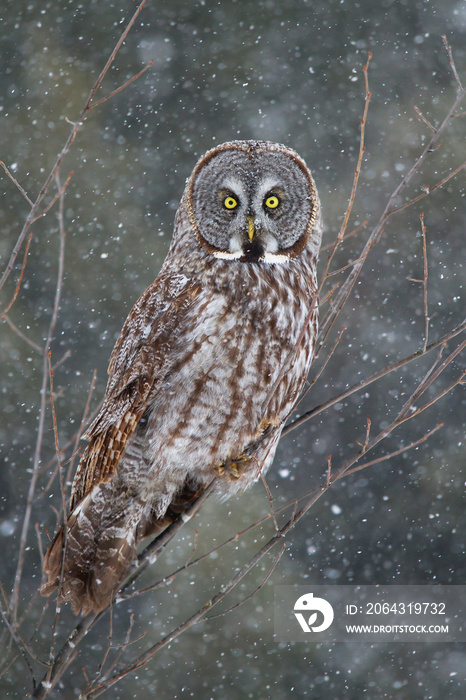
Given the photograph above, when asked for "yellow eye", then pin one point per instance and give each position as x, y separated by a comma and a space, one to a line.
230, 202
272, 202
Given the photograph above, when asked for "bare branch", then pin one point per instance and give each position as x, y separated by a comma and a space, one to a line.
256, 590
270, 497
435, 371
40, 433
64, 657
198, 616
81, 426
57, 196
149, 555
345, 290
373, 378
366, 439
312, 498
34, 213
357, 172
18, 286
321, 369
452, 64
395, 453
429, 190
15, 182
352, 233
21, 335
422, 117
424, 281
122, 87
113, 55
408, 410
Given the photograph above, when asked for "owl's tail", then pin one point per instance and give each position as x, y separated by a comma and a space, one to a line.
101, 536
100, 546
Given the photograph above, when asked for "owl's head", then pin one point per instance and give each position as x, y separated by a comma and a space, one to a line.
253, 201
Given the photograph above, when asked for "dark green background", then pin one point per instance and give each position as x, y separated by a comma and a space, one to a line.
290, 72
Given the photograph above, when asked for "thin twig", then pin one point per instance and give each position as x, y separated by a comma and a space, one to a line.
125, 645
329, 479
256, 590
270, 497
111, 646
15, 181
390, 209
56, 197
321, 369
352, 233
457, 382
373, 378
64, 657
22, 645
366, 439
62, 233
193, 550
40, 432
74, 131
112, 56
431, 375
452, 64
395, 453
422, 117
328, 295
122, 87
429, 190
149, 555
18, 286
357, 172
21, 335
407, 411
424, 283
81, 426
342, 269
54, 415
74, 440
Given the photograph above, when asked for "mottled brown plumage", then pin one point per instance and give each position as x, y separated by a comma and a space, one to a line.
208, 366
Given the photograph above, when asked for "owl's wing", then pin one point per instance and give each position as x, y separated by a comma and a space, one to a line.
140, 361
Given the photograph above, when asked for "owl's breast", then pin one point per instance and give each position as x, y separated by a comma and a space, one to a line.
232, 351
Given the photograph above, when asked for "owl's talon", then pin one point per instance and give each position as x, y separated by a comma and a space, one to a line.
232, 469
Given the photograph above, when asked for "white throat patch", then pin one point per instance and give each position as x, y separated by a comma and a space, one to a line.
270, 258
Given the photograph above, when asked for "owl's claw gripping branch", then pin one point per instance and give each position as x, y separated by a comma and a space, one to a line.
233, 468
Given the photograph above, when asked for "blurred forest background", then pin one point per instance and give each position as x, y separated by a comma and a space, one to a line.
289, 72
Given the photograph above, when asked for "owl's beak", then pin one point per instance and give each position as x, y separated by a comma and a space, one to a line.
251, 229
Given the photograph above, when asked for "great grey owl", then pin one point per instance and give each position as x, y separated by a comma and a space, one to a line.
208, 366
